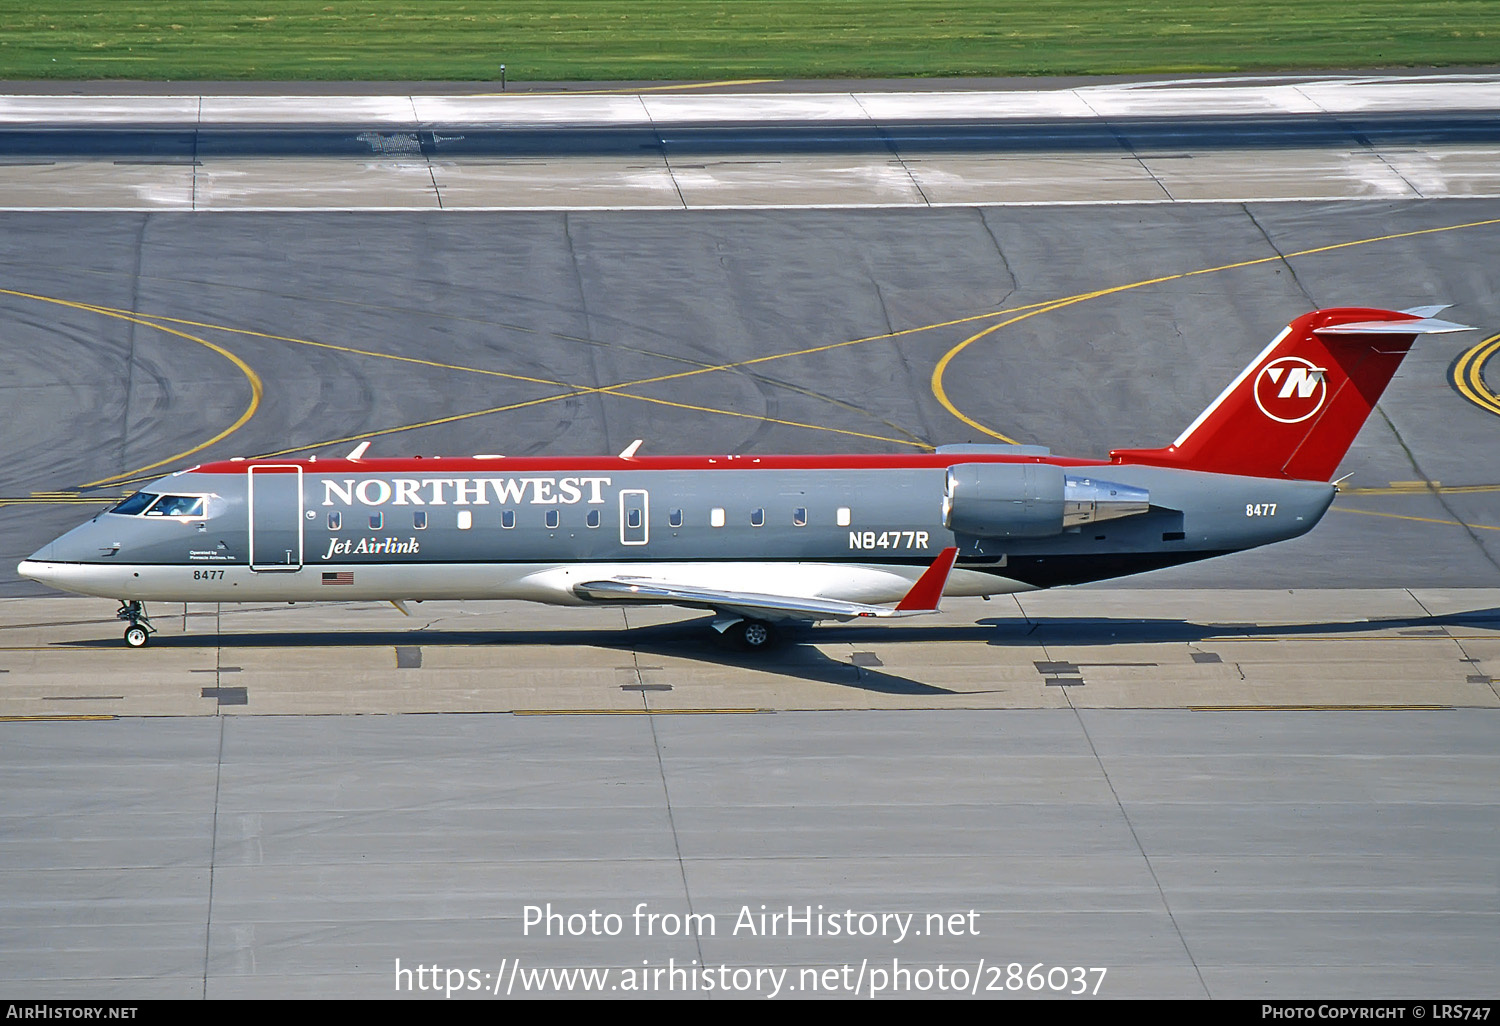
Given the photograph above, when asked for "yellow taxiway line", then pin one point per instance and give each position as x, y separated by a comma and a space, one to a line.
1467, 375
1467, 369
257, 387
938, 372
1403, 516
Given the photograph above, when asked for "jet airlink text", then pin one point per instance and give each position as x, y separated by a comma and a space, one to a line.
465, 491
365, 546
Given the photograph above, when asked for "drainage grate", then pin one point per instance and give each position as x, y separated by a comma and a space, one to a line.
228, 696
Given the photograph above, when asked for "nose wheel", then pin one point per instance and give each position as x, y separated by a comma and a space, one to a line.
140, 629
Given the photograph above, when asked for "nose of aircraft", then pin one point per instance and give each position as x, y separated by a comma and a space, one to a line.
85, 543
71, 547
57, 564
35, 566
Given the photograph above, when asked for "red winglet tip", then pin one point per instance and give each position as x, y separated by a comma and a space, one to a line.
928, 591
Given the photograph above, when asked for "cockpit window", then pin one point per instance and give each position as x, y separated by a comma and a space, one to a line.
133, 505
177, 506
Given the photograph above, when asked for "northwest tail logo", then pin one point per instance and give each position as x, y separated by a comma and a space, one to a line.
1290, 389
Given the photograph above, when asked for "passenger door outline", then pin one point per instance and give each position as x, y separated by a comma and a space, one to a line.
635, 500
284, 553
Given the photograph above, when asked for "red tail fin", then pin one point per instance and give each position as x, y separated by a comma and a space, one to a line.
1295, 410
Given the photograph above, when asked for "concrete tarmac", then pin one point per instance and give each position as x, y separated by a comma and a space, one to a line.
1086, 648
1268, 138
1119, 854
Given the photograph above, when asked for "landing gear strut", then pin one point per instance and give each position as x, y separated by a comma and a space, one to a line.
140, 628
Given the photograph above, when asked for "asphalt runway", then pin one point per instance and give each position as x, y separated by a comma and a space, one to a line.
1204, 790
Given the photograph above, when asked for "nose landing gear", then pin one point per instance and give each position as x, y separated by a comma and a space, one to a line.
140, 628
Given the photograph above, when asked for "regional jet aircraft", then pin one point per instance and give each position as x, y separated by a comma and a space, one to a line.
761, 541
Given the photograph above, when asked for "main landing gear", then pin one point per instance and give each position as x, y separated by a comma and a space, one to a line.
140, 628
752, 635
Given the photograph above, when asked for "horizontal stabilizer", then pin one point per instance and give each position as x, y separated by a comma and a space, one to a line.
1421, 326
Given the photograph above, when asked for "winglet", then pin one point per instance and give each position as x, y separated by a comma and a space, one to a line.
928, 591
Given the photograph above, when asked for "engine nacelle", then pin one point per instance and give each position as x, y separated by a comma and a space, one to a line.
1031, 500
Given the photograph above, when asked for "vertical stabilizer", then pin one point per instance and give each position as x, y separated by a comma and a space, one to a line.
1294, 411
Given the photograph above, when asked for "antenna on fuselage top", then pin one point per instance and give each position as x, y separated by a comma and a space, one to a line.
629, 451
358, 451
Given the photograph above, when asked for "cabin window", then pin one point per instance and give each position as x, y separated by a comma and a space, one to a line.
593, 518
335, 520
419, 520
844, 516
757, 518
553, 519
377, 520
799, 516
508, 518
633, 519
465, 519
716, 517
135, 504
674, 518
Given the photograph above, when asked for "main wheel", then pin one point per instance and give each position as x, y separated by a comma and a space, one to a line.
135, 636
754, 635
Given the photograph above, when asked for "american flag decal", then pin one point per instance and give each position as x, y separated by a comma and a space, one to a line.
339, 577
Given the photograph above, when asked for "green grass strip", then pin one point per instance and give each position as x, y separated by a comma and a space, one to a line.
621, 40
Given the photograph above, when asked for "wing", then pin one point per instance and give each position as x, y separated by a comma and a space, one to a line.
922, 598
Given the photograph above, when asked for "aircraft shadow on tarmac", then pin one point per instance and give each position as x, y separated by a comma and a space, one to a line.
797, 656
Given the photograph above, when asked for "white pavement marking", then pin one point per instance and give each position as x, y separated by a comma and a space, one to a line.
909, 173
1294, 94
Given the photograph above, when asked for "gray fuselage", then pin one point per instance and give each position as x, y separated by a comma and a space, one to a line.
531, 528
